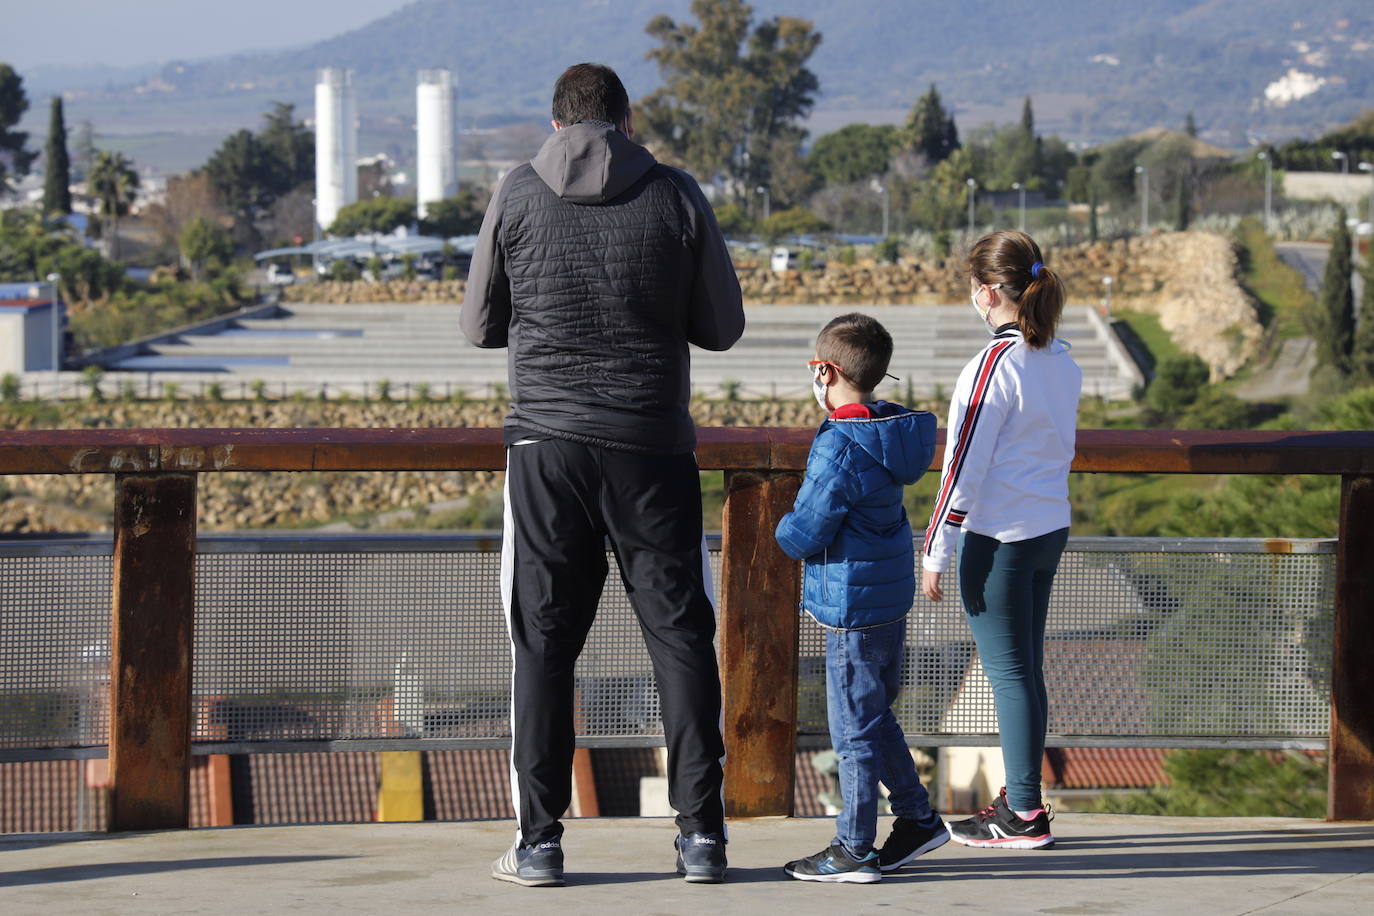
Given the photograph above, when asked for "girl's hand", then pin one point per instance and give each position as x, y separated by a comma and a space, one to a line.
930, 584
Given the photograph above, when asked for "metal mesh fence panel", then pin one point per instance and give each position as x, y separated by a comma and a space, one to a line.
380, 639
1146, 638
361, 645
54, 650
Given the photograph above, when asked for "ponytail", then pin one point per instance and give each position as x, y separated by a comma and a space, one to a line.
1013, 260
1039, 307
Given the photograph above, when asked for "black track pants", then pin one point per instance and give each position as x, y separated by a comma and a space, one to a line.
562, 500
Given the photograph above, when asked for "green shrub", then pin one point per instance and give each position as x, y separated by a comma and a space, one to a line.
1177, 383
344, 271
91, 376
10, 388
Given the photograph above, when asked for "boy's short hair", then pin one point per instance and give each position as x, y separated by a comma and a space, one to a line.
589, 92
860, 346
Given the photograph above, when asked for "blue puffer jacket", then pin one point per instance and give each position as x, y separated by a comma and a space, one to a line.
849, 523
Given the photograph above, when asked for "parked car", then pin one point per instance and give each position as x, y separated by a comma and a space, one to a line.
785, 259
280, 274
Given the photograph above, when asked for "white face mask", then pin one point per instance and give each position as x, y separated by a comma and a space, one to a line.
983, 313
819, 388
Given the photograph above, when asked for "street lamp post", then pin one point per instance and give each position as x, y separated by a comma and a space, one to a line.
1144, 174
1344, 161
1021, 218
881, 189
1268, 191
55, 279
1369, 214
763, 189
972, 198
1106, 341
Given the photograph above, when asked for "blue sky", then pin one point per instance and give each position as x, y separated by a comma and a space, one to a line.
118, 32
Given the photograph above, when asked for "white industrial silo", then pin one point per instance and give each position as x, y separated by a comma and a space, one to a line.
336, 144
436, 137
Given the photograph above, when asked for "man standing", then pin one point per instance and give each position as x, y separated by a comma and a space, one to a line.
597, 266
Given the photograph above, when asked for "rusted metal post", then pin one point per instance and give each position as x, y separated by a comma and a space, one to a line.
760, 586
1350, 793
150, 727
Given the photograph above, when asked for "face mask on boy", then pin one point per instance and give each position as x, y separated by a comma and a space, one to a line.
819, 388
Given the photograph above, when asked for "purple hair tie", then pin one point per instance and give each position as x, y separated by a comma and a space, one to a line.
1035, 269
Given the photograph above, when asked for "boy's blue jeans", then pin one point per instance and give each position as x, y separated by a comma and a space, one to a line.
862, 679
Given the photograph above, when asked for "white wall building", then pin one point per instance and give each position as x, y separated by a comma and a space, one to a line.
336, 144
436, 103
26, 327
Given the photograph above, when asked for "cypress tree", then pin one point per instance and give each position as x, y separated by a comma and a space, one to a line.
57, 169
1028, 118
1334, 324
930, 129
1362, 357
1190, 126
1183, 201
1092, 213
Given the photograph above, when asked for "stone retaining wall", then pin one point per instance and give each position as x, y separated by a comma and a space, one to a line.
234, 501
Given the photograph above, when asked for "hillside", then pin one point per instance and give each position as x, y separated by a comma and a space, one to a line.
1097, 70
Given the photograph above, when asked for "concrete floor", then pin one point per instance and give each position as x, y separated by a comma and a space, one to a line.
1103, 864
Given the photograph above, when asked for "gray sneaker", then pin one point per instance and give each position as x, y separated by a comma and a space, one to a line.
701, 857
540, 865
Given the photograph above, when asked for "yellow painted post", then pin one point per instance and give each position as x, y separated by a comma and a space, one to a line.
401, 796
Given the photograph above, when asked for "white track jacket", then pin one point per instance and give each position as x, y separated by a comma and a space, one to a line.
1008, 447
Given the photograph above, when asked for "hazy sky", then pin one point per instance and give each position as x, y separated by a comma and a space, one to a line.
145, 31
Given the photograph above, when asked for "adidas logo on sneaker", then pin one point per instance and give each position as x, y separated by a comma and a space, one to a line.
551, 844
700, 840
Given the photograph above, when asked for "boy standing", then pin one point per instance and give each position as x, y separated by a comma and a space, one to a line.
850, 527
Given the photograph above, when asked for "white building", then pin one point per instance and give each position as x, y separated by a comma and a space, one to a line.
436, 102
336, 144
27, 327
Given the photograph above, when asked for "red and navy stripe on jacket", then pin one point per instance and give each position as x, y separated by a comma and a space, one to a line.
943, 514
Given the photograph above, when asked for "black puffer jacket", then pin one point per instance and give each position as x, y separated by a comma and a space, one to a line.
597, 266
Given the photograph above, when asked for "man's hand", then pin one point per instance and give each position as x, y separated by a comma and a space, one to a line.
930, 584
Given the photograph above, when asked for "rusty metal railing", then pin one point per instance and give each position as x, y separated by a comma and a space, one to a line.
155, 474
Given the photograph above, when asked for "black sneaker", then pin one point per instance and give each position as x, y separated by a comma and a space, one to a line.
998, 827
910, 838
701, 857
836, 865
540, 865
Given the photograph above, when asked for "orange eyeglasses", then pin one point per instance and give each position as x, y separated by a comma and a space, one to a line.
825, 362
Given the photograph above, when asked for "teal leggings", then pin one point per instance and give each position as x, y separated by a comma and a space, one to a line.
1006, 593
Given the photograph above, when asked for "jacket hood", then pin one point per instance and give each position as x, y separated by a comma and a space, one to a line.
900, 439
591, 162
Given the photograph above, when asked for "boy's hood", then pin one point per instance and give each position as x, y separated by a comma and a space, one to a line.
591, 162
899, 438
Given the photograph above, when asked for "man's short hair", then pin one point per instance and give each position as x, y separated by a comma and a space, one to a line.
589, 92
860, 346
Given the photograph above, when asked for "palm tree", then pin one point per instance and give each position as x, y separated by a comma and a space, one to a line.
113, 182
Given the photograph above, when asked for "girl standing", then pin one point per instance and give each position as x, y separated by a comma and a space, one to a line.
1004, 496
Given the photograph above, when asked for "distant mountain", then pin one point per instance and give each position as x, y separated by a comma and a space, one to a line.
1095, 69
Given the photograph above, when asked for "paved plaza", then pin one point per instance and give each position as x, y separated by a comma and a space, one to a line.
1103, 864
